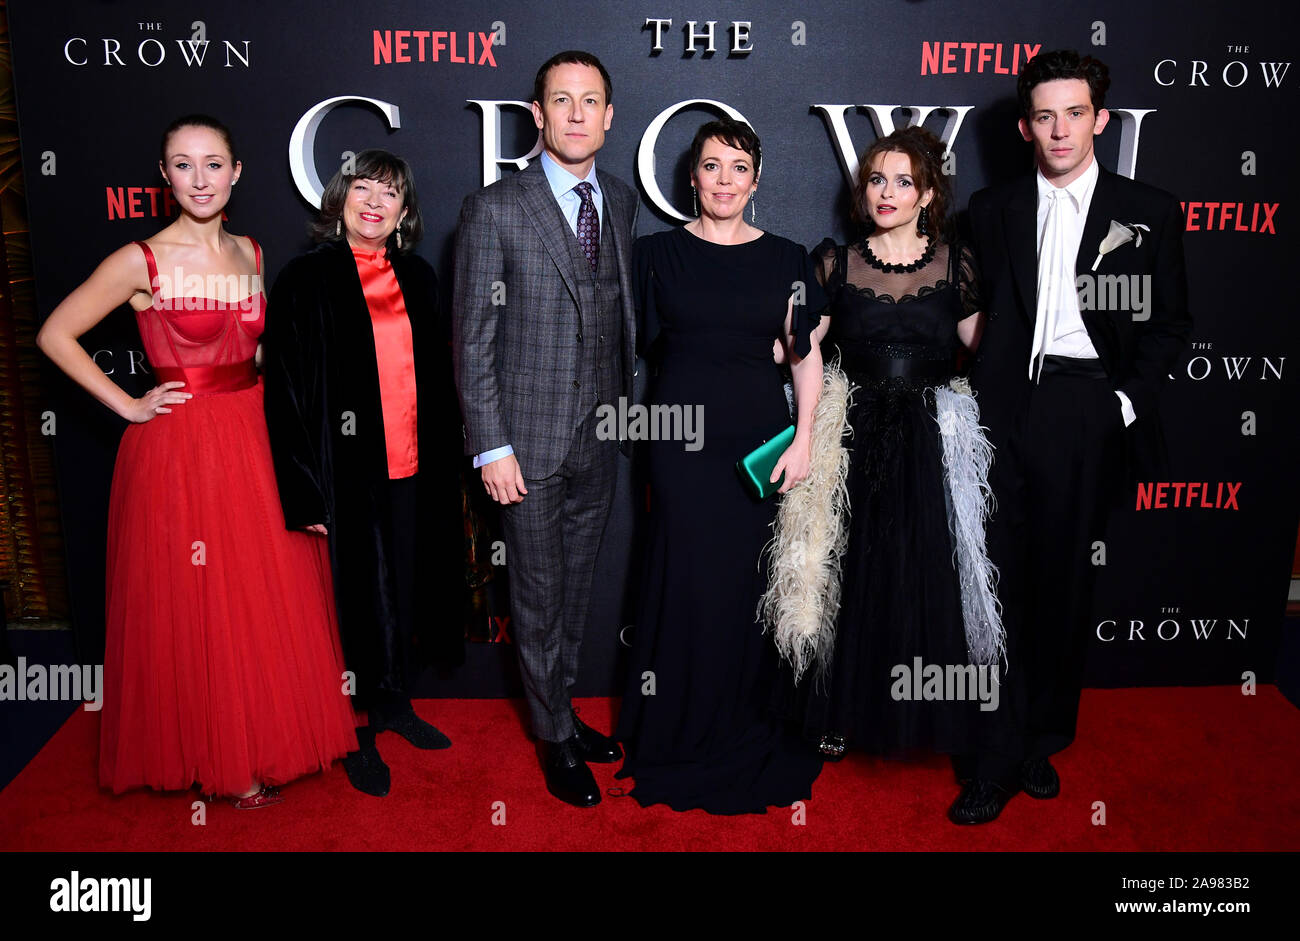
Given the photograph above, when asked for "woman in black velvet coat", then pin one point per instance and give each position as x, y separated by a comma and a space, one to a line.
329, 442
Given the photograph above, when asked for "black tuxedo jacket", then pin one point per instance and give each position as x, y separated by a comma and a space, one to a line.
1138, 342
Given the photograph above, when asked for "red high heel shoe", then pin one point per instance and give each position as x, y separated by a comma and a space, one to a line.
267, 796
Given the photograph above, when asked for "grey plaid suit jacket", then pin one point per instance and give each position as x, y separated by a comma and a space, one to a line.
516, 356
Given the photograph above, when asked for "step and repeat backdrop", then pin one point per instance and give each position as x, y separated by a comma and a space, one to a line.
1192, 592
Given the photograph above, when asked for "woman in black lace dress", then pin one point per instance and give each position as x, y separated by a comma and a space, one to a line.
917, 590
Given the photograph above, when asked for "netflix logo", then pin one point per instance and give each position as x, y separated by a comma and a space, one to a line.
952, 58
141, 202
1180, 494
1235, 217
396, 46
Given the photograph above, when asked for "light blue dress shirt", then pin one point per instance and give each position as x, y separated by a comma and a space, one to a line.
562, 183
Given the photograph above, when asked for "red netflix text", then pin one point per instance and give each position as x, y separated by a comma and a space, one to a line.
423, 45
949, 58
1237, 217
1188, 495
141, 202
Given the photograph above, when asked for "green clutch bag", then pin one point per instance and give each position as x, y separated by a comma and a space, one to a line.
755, 468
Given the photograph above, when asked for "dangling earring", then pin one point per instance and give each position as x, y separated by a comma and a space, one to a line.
923, 222
399, 237
695, 202
753, 207
338, 227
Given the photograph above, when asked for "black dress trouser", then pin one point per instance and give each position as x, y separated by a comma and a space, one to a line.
1062, 470
387, 701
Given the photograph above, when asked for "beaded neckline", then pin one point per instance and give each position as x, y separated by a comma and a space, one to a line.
865, 248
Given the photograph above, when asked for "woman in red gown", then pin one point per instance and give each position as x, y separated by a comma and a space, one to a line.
222, 665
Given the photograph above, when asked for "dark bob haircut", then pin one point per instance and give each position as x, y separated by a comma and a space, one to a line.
733, 133
197, 120
1058, 64
383, 167
925, 152
570, 57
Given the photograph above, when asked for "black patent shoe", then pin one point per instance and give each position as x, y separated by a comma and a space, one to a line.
832, 747
1039, 779
980, 801
415, 730
567, 776
593, 746
367, 771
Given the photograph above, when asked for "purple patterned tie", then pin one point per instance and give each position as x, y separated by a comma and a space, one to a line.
588, 225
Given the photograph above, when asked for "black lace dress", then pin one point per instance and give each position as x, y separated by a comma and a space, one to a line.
896, 334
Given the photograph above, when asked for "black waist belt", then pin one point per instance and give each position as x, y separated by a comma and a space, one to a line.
898, 367
1073, 366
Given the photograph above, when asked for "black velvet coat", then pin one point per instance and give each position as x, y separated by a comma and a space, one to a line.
325, 418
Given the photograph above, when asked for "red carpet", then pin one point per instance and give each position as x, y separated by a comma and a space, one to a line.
1177, 769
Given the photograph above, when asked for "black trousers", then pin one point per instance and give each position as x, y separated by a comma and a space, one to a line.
393, 695
1061, 473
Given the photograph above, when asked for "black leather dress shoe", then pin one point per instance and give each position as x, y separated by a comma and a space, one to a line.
1039, 779
367, 771
593, 746
980, 801
415, 730
567, 777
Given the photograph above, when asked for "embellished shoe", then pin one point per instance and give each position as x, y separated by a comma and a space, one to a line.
1039, 779
367, 772
832, 747
267, 796
415, 730
980, 801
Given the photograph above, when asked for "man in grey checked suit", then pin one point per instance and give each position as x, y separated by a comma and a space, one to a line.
544, 332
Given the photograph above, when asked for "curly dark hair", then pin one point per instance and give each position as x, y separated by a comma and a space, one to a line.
925, 152
1059, 64
383, 167
731, 132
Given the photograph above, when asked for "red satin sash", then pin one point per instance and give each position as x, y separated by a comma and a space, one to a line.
209, 380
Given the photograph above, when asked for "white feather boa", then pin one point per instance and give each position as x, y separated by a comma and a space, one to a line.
810, 534
967, 456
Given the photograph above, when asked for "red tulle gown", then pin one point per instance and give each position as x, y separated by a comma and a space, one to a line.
223, 665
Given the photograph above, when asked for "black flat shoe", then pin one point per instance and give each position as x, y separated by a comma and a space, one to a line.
1039, 779
567, 776
367, 771
415, 730
593, 746
832, 747
980, 801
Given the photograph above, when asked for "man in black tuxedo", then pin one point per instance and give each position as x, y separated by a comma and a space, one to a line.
1086, 295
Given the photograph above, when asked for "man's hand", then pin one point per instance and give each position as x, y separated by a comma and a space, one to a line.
503, 480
